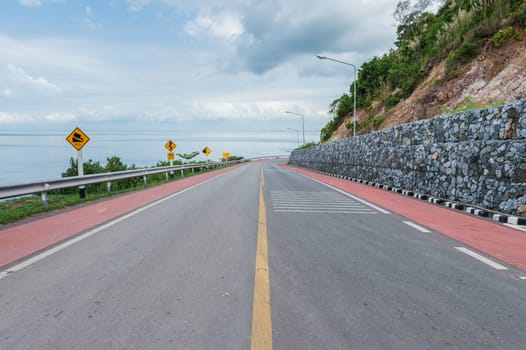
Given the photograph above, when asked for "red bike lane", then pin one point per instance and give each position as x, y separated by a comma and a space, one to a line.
503, 243
26, 239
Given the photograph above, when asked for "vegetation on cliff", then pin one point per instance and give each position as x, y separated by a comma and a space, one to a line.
456, 34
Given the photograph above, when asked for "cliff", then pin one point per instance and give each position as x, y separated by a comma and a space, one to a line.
495, 76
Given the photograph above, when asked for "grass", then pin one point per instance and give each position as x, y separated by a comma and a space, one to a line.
17, 209
470, 104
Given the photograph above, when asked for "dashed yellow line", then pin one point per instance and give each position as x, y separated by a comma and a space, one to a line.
261, 319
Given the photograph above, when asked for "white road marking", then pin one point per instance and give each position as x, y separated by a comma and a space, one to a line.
322, 207
322, 211
83, 236
316, 202
481, 258
517, 227
383, 211
522, 278
415, 226
322, 204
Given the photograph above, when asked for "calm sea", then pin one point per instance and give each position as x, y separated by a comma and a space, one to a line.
27, 156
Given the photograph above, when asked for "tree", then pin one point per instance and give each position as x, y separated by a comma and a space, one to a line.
90, 167
188, 156
114, 163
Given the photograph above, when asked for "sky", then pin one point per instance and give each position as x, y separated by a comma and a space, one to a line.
190, 62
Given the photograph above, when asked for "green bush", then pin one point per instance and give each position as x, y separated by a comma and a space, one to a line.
378, 120
521, 15
393, 100
470, 104
233, 158
307, 145
464, 54
328, 129
503, 35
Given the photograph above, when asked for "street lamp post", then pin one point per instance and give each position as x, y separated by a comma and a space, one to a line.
354, 89
302, 122
297, 134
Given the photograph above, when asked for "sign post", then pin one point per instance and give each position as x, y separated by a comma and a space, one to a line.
226, 155
207, 151
78, 139
170, 146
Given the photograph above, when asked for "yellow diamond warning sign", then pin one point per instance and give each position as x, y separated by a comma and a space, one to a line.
77, 138
207, 151
170, 145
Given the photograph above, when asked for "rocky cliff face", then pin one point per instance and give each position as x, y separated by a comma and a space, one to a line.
495, 75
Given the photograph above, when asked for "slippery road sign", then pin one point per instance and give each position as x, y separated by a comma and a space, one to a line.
77, 138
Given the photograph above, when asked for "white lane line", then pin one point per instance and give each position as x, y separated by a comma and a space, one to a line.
522, 278
383, 211
83, 236
323, 208
516, 227
415, 226
323, 211
320, 206
313, 201
481, 258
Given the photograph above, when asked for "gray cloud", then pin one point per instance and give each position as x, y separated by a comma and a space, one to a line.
276, 31
265, 34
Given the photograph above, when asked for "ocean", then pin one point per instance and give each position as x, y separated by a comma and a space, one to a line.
36, 155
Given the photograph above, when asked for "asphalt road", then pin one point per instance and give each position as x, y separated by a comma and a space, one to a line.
343, 275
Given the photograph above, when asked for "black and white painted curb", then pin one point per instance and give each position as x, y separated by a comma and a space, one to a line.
514, 220
453, 205
506, 219
478, 212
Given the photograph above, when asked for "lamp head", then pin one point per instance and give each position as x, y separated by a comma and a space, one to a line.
321, 57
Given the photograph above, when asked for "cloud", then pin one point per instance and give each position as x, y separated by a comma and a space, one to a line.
267, 34
137, 5
92, 24
12, 118
238, 59
89, 11
41, 85
31, 3
226, 26
35, 3
89, 19
7, 93
60, 117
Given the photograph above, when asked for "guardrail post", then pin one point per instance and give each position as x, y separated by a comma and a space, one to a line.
182, 172
144, 180
108, 186
44, 200
193, 170
166, 176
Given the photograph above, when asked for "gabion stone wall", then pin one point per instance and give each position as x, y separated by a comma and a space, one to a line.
476, 157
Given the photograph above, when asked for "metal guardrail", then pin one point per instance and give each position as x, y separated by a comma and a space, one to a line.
76, 181
42, 187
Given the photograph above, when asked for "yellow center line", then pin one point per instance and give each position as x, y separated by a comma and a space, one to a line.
261, 319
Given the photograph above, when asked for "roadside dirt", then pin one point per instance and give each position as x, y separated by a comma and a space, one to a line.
495, 75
